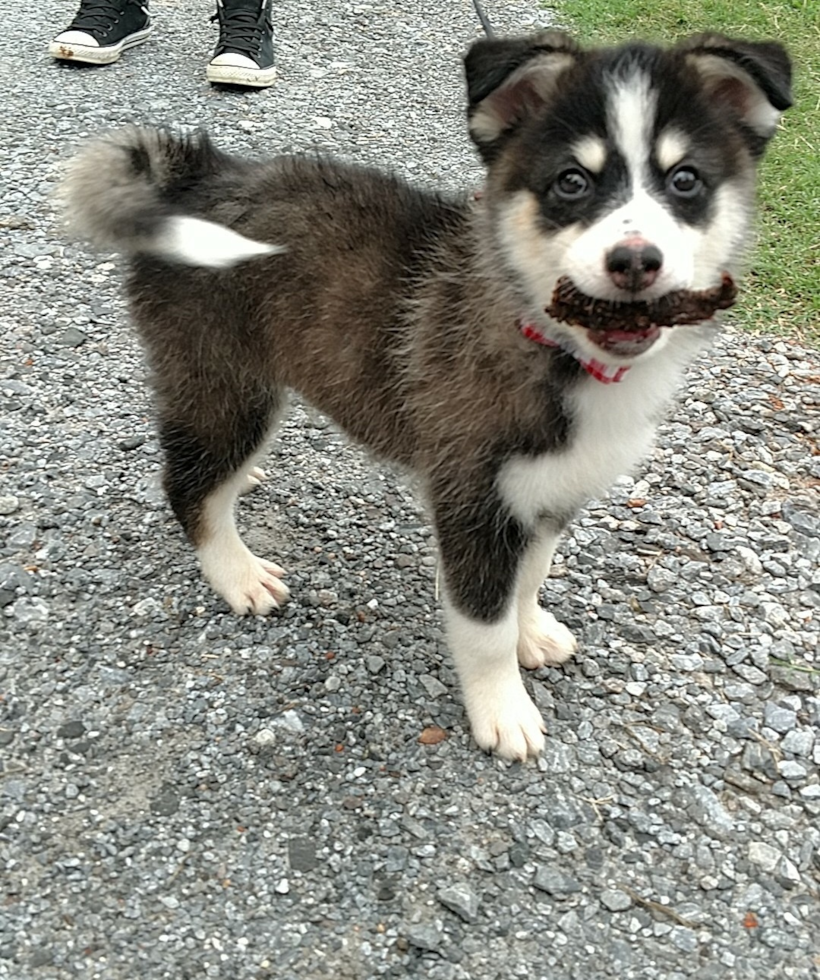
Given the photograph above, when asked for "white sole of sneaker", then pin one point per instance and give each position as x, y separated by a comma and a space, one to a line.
247, 77
90, 55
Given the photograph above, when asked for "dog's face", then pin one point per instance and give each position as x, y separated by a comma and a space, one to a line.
629, 170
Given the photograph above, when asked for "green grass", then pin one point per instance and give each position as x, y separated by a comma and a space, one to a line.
782, 285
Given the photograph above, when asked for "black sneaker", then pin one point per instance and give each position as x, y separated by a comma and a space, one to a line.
102, 30
244, 53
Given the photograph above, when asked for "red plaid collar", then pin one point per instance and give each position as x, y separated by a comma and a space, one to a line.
605, 373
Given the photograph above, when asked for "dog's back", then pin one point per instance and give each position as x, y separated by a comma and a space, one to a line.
323, 308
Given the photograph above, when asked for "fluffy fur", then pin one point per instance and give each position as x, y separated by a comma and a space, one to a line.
397, 312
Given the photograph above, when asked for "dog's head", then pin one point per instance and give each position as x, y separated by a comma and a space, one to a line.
629, 170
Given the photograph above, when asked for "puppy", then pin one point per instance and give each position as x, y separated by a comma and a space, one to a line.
425, 325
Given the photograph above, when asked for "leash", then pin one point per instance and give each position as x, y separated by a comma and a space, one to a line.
485, 20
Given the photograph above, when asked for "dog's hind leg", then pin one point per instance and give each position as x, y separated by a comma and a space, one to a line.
481, 550
210, 460
542, 640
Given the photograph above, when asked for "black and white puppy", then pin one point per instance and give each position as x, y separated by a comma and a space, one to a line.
418, 321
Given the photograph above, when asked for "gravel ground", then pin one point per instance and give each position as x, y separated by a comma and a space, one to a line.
184, 794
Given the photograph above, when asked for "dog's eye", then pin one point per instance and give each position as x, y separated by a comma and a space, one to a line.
684, 182
572, 184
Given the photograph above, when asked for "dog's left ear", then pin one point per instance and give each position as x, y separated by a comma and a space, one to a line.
510, 78
753, 79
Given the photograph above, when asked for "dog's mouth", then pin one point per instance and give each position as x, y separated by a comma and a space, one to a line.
628, 329
625, 343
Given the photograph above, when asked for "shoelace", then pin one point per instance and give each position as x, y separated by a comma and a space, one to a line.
241, 30
97, 15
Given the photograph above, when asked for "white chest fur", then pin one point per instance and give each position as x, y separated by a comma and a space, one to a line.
612, 430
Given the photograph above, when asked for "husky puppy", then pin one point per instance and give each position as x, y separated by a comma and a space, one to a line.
418, 321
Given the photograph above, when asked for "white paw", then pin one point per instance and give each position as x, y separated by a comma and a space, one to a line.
255, 589
505, 721
253, 478
543, 641
250, 585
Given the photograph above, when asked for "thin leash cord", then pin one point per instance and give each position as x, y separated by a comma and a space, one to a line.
485, 21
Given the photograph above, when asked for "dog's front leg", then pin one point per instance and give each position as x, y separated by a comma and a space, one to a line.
502, 715
482, 549
542, 640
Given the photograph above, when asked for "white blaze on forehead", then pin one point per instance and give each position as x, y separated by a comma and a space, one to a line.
590, 152
671, 148
631, 114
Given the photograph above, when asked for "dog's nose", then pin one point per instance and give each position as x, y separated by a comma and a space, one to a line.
634, 265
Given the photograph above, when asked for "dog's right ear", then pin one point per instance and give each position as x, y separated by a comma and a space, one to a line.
510, 78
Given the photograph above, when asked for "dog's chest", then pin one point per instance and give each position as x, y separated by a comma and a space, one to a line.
612, 429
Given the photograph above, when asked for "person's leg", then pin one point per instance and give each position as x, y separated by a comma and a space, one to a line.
102, 30
244, 52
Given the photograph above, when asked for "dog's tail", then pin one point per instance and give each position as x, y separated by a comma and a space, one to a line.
131, 191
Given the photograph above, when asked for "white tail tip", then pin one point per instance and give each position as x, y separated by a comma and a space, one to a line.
197, 242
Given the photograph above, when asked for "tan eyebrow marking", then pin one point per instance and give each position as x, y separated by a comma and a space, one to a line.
670, 148
591, 153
